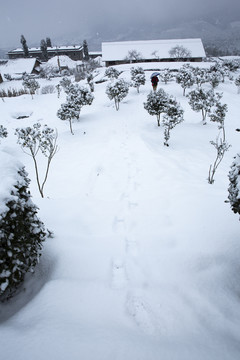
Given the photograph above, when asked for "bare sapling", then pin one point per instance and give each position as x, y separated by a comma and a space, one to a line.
34, 139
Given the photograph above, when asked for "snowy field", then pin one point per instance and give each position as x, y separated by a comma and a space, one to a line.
145, 260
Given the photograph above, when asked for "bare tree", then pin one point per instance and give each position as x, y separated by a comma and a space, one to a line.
34, 139
134, 55
179, 52
221, 146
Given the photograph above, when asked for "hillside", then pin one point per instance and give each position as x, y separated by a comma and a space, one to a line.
144, 264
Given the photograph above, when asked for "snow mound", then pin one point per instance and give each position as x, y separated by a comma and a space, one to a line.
63, 60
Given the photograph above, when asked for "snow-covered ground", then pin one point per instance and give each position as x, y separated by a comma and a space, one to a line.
145, 260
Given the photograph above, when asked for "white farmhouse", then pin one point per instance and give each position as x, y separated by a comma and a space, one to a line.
122, 52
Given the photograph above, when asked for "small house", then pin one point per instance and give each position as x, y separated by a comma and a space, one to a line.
16, 68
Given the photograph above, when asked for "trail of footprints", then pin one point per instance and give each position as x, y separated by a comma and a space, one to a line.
126, 274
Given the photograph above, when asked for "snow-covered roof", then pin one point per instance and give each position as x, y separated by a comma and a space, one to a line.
64, 60
18, 66
150, 49
95, 53
49, 49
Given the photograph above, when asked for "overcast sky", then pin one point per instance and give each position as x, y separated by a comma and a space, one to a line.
38, 19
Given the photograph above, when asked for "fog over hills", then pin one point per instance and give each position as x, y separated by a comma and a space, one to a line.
219, 29
215, 34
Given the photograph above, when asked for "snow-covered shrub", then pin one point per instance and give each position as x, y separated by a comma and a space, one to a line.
3, 133
30, 84
185, 77
173, 115
80, 95
156, 103
218, 114
117, 91
232, 65
77, 97
166, 75
221, 69
69, 111
237, 83
138, 77
65, 83
47, 89
21, 236
201, 76
8, 77
215, 78
234, 186
112, 73
33, 139
203, 100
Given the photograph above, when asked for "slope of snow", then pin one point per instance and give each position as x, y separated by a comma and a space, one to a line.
145, 259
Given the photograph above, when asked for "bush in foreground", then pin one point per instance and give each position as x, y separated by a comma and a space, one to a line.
21, 237
234, 187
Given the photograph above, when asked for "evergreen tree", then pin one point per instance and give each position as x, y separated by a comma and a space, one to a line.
85, 50
218, 114
112, 73
172, 117
24, 46
21, 236
166, 75
43, 47
117, 91
185, 77
48, 42
69, 111
237, 83
203, 100
65, 83
219, 68
30, 84
201, 76
138, 77
3, 132
215, 78
76, 98
156, 103
234, 187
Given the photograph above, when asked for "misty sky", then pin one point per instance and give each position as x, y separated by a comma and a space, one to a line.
38, 19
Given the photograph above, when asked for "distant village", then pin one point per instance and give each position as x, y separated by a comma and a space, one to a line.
29, 60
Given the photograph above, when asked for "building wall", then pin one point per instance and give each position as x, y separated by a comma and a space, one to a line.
73, 54
120, 62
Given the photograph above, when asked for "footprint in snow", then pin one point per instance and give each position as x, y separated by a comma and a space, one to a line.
140, 312
119, 276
